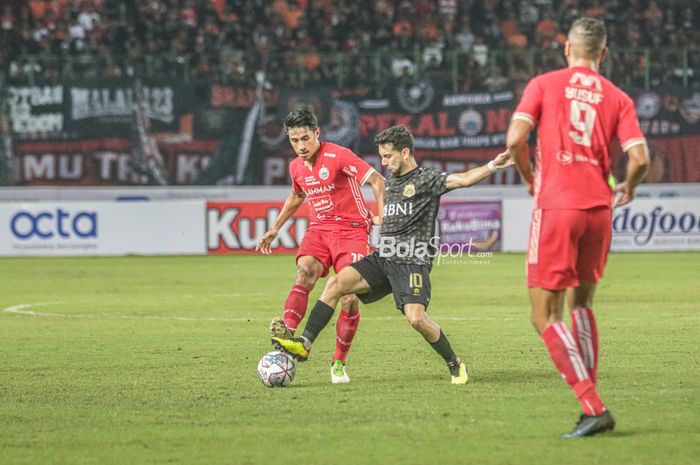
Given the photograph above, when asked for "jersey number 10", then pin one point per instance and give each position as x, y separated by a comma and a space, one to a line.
582, 117
415, 280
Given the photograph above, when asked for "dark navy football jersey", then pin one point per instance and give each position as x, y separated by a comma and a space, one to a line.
410, 208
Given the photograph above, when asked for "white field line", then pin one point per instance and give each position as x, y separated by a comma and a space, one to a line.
23, 309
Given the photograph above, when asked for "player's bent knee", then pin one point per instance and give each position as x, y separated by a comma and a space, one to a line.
333, 287
307, 275
416, 319
350, 303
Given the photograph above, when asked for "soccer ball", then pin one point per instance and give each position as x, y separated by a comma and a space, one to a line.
276, 369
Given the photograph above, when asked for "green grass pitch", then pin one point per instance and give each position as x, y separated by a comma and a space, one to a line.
139, 360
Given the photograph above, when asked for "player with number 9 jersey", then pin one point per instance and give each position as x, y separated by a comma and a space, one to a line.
578, 113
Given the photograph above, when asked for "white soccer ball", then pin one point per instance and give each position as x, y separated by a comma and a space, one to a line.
276, 369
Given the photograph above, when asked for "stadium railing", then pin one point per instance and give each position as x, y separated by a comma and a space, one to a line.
480, 69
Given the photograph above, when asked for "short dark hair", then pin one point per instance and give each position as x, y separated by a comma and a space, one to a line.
590, 33
398, 136
301, 118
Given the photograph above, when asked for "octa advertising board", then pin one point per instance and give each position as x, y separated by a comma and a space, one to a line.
102, 228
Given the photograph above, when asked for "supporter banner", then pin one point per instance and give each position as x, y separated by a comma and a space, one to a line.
318, 99
466, 131
78, 228
674, 159
275, 169
107, 162
85, 162
211, 136
340, 124
36, 111
670, 118
667, 111
96, 108
417, 95
218, 123
470, 226
461, 122
106, 107
240, 98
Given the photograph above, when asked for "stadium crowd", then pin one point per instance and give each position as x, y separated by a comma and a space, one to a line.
487, 44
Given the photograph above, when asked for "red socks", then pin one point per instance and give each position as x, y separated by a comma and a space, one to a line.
295, 306
346, 326
345, 329
566, 357
585, 332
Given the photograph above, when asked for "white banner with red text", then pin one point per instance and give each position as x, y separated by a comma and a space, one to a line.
235, 227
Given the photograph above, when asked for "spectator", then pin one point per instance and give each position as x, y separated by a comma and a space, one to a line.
203, 33
464, 36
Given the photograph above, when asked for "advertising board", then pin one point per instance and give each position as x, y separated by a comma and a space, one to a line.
107, 228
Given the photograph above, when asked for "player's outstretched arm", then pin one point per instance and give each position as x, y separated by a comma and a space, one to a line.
516, 142
376, 180
637, 168
291, 205
476, 175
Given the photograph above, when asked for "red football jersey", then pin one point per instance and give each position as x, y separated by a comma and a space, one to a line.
579, 113
332, 187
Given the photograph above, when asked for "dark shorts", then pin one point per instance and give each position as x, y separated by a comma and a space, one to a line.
409, 283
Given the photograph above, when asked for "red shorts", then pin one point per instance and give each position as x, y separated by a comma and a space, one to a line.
336, 247
568, 245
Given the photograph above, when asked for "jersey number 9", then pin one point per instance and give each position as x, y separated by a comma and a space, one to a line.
582, 117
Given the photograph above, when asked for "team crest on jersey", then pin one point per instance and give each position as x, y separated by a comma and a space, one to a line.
323, 173
409, 190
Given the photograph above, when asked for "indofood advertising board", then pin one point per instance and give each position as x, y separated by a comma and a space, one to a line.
657, 224
645, 225
108, 228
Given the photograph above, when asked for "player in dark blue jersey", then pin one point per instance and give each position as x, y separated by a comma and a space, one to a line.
401, 264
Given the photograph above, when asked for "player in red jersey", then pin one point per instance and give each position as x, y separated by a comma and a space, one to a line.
329, 176
579, 114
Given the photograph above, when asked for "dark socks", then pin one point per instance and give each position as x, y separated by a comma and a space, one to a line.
442, 346
318, 319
